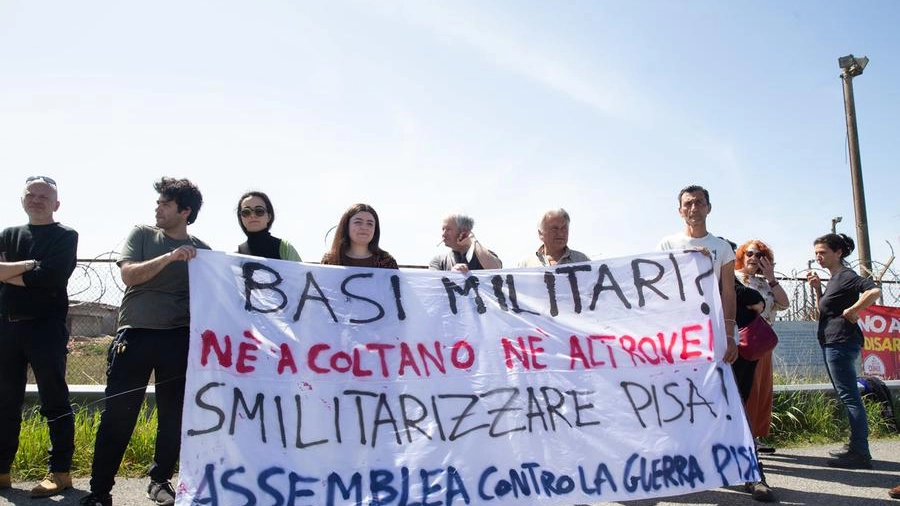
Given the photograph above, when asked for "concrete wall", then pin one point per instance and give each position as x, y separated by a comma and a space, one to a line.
91, 319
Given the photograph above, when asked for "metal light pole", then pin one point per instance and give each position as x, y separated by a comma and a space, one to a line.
850, 68
834, 222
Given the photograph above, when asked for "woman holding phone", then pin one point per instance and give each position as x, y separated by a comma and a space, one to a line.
355, 241
255, 215
754, 267
841, 339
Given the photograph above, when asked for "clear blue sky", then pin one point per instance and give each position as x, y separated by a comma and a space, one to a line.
498, 109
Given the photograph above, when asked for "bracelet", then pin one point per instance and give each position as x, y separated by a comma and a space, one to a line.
773, 284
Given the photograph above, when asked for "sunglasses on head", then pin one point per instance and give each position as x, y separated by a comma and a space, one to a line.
751, 254
259, 211
44, 179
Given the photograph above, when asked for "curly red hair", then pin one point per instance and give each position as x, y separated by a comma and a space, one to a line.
760, 246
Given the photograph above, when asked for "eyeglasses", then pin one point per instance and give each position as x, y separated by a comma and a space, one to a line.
259, 211
751, 254
44, 179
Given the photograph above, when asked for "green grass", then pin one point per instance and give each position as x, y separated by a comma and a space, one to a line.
34, 439
86, 364
798, 419
815, 417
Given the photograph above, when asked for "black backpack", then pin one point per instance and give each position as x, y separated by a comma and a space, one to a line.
875, 389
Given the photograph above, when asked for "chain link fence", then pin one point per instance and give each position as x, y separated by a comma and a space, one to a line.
803, 300
96, 290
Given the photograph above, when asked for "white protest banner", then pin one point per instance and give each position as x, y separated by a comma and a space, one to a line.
323, 385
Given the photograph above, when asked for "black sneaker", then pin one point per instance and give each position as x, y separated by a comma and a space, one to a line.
161, 493
840, 452
95, 499
762, 447
851, 460
761, 492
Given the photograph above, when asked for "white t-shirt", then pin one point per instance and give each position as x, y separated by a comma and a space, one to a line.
721, 251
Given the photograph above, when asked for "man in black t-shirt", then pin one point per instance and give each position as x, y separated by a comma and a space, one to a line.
36, 261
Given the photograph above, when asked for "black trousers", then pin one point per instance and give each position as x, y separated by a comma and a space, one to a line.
743, 375
744, 371
133, 355
43, 344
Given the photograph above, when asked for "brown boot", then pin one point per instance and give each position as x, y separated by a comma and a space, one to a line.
5, 481
895, 492
53, 484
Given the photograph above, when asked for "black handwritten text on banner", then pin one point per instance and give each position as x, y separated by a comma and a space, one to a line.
580, 383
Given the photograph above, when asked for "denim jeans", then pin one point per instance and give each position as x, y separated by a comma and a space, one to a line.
840, 361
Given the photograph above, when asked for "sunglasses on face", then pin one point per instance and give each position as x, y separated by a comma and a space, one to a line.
259, 211
45, 179
751, 254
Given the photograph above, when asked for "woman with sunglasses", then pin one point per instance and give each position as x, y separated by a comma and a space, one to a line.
255, 215
841, 339
355, 241
754, 267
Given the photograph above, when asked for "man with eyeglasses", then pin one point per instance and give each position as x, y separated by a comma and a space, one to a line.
152, 337
36, 261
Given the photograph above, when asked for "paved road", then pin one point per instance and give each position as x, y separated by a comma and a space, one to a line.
798, 476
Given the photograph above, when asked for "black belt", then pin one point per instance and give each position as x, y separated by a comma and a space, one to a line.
14, 319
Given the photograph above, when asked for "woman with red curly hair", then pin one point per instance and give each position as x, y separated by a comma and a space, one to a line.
754, 267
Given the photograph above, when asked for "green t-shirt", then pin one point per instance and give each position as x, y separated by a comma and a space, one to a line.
163, 302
